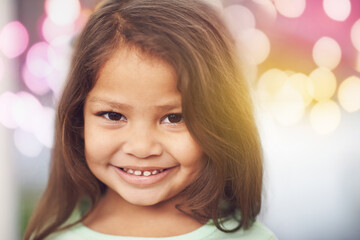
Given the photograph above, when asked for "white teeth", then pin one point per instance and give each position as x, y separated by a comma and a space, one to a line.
142, 173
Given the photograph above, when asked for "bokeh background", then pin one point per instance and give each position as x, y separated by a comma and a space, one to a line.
302, 59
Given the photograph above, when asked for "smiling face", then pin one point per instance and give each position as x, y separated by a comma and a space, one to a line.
136, 141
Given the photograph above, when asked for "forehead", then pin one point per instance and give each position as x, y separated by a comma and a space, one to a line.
136, 78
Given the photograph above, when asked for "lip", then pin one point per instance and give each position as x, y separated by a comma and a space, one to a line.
143, 180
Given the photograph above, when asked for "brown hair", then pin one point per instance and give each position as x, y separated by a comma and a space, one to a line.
217, 109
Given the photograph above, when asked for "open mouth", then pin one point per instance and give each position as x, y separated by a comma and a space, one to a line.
145, 173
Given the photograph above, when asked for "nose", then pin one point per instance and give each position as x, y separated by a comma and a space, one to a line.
142, 143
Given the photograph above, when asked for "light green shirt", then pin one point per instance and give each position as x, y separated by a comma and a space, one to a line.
207, 231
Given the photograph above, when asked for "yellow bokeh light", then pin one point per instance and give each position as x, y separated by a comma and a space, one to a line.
325, 117
255, 46
327, 53
288, 106
355, 35
349, 94
270, 82
324, 83
338, 10
290, 8
303, 86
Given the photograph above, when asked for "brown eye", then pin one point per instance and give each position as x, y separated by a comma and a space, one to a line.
173, 118
113, 116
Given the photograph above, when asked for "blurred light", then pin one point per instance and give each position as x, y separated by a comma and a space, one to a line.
357, 62
290, 8
325, 117
51, 31
288, 107
324, 83
254, 45
268, 7
217, 4
26, 143
355, 35
26, 111
289, 72
83, 19
349, 94
7, 100
60, 53
270, 82
238, 18
1, 68
338, 10
327, 53
37, 85
62, 12
44, 129
56, 81
303, 86
37, 59
14, 39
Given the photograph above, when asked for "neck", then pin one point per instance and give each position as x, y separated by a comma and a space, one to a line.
113, 215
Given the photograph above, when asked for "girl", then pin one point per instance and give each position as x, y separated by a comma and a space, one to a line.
155, 128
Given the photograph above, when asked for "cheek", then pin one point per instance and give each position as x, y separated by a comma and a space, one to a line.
190, 154
96, 146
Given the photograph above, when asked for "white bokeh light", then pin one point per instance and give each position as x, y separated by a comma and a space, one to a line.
268, 8
325, 117
26, 143
44, 128
349, 94
61, 53
327, 53
355, 35
26, 111
290, 8
62, 12
238, 18
254, 45
7, 101
338, 10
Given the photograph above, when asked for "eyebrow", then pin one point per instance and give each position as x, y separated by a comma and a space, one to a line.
117, 105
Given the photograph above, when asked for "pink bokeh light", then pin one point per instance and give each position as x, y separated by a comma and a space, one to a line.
14, 39
37, 85
1, 68
37, 59
50, 30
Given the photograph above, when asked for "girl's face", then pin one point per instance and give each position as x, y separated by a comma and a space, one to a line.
136, 141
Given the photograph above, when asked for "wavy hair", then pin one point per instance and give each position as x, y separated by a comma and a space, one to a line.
216, 103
